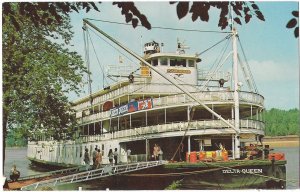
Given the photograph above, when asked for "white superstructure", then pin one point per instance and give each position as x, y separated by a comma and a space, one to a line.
144, 109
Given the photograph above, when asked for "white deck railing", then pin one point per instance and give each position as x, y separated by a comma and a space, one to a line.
204, 75
216, 97
175, 126
136, 88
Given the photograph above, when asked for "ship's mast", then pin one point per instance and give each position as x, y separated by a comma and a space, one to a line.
236, 89
86, 48
236, 96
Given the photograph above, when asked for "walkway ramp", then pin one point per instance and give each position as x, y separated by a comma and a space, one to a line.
27, 180
105, 171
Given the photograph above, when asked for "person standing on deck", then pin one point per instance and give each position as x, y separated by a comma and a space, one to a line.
110, 156
116, 156
87, 158
155, 151
98, 160
94, 156
128, 156
160, 154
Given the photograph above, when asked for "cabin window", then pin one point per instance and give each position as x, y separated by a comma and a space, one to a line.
164, 61
178, 62
155, 62
173, 62
191, 63
181, 62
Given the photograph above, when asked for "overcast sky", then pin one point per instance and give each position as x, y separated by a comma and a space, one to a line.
271, 48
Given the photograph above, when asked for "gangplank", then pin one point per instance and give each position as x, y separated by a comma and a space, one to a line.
105, 171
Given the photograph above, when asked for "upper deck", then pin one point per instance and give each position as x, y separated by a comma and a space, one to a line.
107, 110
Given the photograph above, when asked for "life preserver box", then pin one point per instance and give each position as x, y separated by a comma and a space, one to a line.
202, 155
193, 157
276, 156
225, 155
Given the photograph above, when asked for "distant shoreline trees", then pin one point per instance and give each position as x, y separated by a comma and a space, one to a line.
282, 122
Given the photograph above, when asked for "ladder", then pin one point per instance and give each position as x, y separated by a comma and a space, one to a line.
105, 171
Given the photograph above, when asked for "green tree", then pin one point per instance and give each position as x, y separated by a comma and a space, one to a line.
38, 71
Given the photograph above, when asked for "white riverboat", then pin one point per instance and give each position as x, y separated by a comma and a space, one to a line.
144, 108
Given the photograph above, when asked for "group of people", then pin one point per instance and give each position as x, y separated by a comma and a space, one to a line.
157, 152
113, 156
97, 158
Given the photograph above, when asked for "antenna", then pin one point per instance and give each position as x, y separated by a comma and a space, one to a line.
181, 46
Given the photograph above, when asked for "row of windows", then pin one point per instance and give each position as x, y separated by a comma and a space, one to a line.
173, 62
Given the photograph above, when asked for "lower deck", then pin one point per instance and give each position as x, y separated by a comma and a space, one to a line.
69, 153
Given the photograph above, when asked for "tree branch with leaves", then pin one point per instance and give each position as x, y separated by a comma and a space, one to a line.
200, 10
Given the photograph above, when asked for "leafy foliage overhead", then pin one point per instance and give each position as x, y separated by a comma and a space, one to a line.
129, 10
200, 9
293, 23
45, 13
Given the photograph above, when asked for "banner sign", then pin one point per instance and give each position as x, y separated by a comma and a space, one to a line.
132, 107
114, 112
146, 104
123, 109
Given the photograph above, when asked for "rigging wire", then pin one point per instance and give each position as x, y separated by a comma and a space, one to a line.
246, 76
112, 46
218, 64
158, 27
247, 64
98, 61
186, 130
227, 37
117, 51
221, 55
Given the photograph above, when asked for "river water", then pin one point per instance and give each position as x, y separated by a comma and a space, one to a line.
17, 156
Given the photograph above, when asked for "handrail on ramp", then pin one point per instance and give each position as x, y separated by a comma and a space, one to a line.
106, 171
